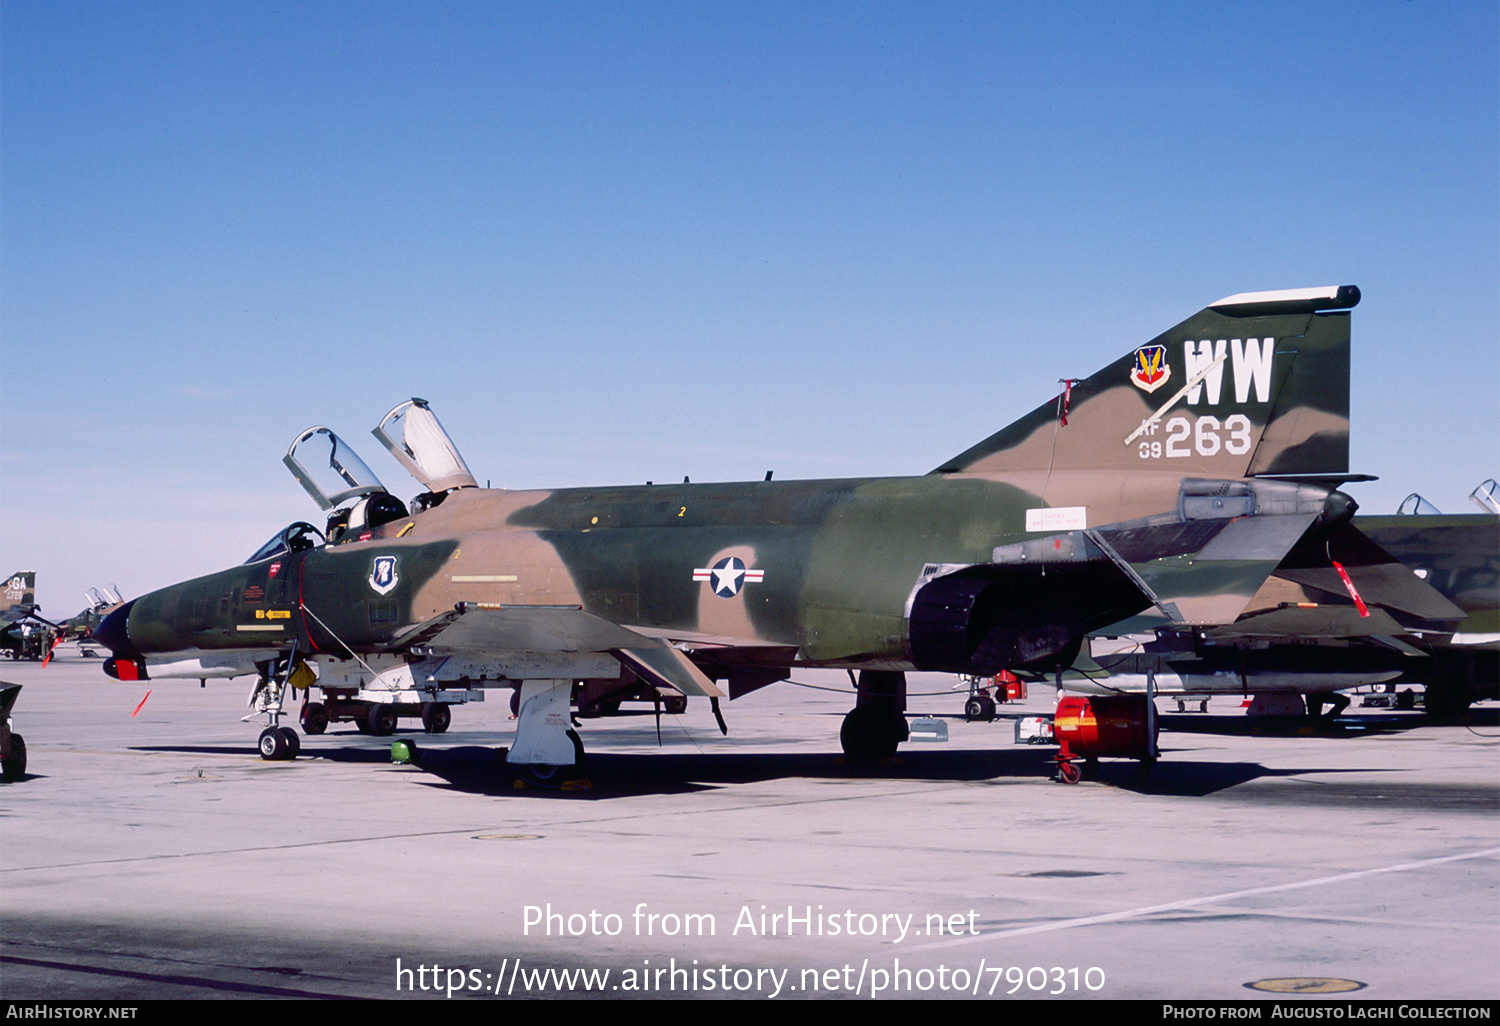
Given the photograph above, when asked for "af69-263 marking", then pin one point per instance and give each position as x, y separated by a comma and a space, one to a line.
1206, 437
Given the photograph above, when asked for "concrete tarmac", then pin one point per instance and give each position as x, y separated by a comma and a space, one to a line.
157, 856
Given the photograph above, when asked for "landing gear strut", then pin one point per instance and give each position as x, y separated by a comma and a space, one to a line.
545, 739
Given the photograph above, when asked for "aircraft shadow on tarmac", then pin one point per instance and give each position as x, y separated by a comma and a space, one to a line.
480, 769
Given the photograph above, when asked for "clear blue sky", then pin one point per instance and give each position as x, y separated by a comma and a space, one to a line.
630, 241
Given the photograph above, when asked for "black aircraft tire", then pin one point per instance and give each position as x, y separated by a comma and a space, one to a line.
272, 745
293, 742
979, 708
541, 773
314, 718
870, 732
14, 767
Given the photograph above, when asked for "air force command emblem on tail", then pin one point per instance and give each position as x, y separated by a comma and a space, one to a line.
383, 576
1150, 370
728, 576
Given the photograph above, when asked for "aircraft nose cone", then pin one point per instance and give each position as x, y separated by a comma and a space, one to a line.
112, 632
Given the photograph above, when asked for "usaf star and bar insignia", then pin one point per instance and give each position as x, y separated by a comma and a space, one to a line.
728, 576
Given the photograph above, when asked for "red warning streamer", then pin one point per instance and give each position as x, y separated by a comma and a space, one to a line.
143, 702
1065, 400
1359, 603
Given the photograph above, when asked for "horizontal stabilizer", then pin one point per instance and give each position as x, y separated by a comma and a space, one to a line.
1384, 584
1377, 576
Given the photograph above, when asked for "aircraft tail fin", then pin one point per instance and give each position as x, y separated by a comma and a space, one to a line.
20, 588
1256, 384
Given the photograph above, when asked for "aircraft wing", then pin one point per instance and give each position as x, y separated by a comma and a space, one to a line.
479, 629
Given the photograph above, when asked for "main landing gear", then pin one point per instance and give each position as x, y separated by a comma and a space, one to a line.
546, 744
877, 723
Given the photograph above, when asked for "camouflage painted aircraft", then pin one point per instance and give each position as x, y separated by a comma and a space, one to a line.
1161, 491
1459, 555
23, 632
19, 596
87, 620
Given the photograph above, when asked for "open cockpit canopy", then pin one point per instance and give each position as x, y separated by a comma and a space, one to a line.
330, 471
413, 435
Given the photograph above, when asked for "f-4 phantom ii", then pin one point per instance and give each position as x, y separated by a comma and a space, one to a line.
1162, 490
23, 632
1459, 555
84, 623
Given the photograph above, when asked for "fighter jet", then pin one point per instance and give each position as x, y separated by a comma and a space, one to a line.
1163, 491
86, 620
1459, 555
24, 634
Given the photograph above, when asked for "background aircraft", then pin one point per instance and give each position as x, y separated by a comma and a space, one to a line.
1305, 633
88, 619
1162, 491
23, 632
1459, 555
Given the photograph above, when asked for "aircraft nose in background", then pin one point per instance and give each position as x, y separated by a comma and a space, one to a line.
112, 632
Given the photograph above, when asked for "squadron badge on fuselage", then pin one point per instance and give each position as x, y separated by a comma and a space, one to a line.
383, 576
728, 576
1150, 370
